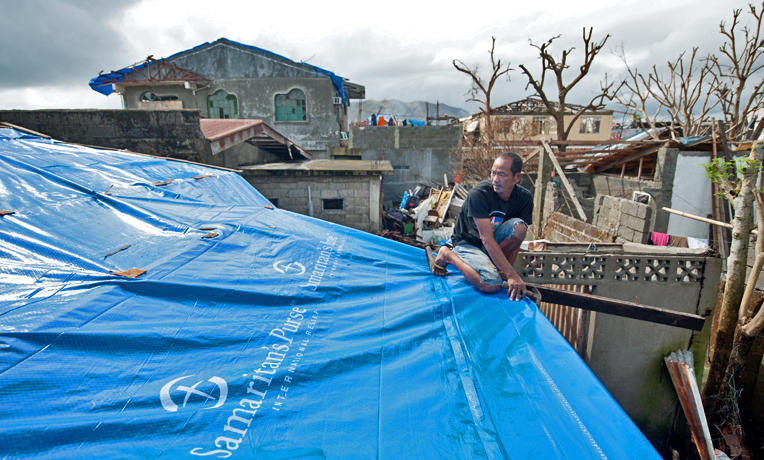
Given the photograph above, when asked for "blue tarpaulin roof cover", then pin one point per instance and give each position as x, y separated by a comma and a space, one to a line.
102, 83
256, 332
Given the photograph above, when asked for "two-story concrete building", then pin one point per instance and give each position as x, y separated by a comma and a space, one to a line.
226, 79
529, 120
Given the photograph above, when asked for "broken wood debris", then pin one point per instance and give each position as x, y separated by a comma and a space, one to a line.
426, 213
397, 236
564, 180
160, 183
202, 177
120, 249
4, 212
132, 273
210, 235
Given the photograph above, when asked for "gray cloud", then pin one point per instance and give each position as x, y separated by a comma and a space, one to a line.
58, 41
62, 43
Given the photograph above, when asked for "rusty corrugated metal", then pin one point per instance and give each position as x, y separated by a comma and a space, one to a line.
226, 133
680, 367
571, 322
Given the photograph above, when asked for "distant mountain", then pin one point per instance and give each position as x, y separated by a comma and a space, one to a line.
413, 110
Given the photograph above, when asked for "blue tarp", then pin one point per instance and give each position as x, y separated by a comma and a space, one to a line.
256, 332
102, 83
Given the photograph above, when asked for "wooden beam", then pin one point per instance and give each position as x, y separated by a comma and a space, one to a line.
564, 180
629, 158
620, 308
605, 142
703, 219
533, 154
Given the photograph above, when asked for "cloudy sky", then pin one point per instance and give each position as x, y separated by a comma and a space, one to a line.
50, 49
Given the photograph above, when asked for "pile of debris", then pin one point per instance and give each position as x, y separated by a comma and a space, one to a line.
425, 216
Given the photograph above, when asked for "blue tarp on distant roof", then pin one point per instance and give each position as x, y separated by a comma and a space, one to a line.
257, 332
101, 82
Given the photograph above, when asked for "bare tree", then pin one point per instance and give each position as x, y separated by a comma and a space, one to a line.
557, 67
680, 93
481, 89
741, 60
638, 90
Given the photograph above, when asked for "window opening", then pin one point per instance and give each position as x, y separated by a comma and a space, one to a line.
333, 204
590, 125
541, 125
291, 106
148, 96
222, 105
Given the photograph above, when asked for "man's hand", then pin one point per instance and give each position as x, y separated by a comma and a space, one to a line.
516, 288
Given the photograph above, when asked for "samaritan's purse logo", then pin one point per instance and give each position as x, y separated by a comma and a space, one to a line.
285, 268
199, 396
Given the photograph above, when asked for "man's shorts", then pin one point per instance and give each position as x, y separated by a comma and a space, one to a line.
479, 259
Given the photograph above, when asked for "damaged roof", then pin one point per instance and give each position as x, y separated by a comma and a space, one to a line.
165, 70
224, 133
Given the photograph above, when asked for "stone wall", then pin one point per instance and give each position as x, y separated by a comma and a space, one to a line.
418, 154
166, 133
360, 195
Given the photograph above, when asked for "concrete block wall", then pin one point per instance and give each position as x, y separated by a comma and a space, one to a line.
173, 133
627, 219
556, 197
292, 195
562, 228
418, 154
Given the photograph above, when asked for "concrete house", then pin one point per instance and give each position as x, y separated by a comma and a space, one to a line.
226, 79
529, 120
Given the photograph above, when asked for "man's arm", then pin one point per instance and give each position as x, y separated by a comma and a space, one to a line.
517, 287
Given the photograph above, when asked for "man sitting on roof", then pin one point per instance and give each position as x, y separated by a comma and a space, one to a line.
489, 230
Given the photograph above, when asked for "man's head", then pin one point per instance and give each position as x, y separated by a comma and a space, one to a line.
505, 173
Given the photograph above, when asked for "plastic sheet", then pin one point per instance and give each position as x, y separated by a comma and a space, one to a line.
256, 332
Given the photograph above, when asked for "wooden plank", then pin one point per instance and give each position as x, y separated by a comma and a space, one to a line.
564, 180
619, 308
604, 142
533, 154
629, 158
703, 219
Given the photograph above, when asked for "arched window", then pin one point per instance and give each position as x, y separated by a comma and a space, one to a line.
222, 105
291, 106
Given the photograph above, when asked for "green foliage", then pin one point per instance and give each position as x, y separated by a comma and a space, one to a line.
721, 171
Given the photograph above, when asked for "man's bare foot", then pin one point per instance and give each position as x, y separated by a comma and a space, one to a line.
438, 265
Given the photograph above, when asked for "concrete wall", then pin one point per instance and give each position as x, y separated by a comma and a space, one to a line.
627, 219
627, 354
361, 195
255, 79
419, 154
661, 188
164, 133
691, 194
